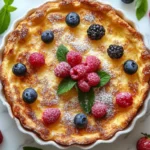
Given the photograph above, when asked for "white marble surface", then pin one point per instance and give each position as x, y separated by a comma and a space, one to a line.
15, 140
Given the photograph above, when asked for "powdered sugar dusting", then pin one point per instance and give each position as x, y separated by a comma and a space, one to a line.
73, 104
68, 118
101, 95
106, 67
58, 32
89, 17
78, 44
49, 95
54, 17
50, 102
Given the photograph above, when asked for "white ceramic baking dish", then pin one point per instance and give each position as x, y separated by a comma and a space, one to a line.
140, 114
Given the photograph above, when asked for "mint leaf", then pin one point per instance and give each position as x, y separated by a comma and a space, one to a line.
138, 3
4, 19
104, 78
86, 100
31, 148
141, 8
8, 2
61, 53
65, 85
5, 15
11, 8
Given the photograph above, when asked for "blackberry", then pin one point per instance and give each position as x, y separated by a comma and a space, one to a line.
96, 32
115, 51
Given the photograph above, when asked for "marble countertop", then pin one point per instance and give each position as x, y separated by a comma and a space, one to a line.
15, 140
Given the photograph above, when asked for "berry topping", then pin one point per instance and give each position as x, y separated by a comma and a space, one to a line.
92, 63
74, 58
36, 59
83, 85
72, 19
124, 99
47, 36
1, 137
99, 110
62, 70
51, 115
127, 1
93, 79
130, 67
29, 95
78, 71
19, 69
144, 142
115, 51
80, 121
95, 32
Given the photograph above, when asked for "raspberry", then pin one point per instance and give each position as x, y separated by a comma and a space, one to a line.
1, 137
93, 79
36, 59
92, 63
51, 115
78, 72
124, 99
74, 58
99, 110
62, 70
83, 85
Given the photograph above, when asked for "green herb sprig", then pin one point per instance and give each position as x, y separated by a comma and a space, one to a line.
5, 15
141, 7
86, 99
31, 148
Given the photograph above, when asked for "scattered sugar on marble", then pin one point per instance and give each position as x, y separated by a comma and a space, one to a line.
89, 17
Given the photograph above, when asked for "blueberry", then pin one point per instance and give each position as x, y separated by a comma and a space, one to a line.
127, 1
80, 121
72, 19
130, 67
29, 95
19, 69
47, 36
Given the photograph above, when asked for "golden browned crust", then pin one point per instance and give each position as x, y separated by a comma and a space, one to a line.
25, 39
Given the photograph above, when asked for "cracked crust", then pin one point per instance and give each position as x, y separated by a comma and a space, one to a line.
25, 39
